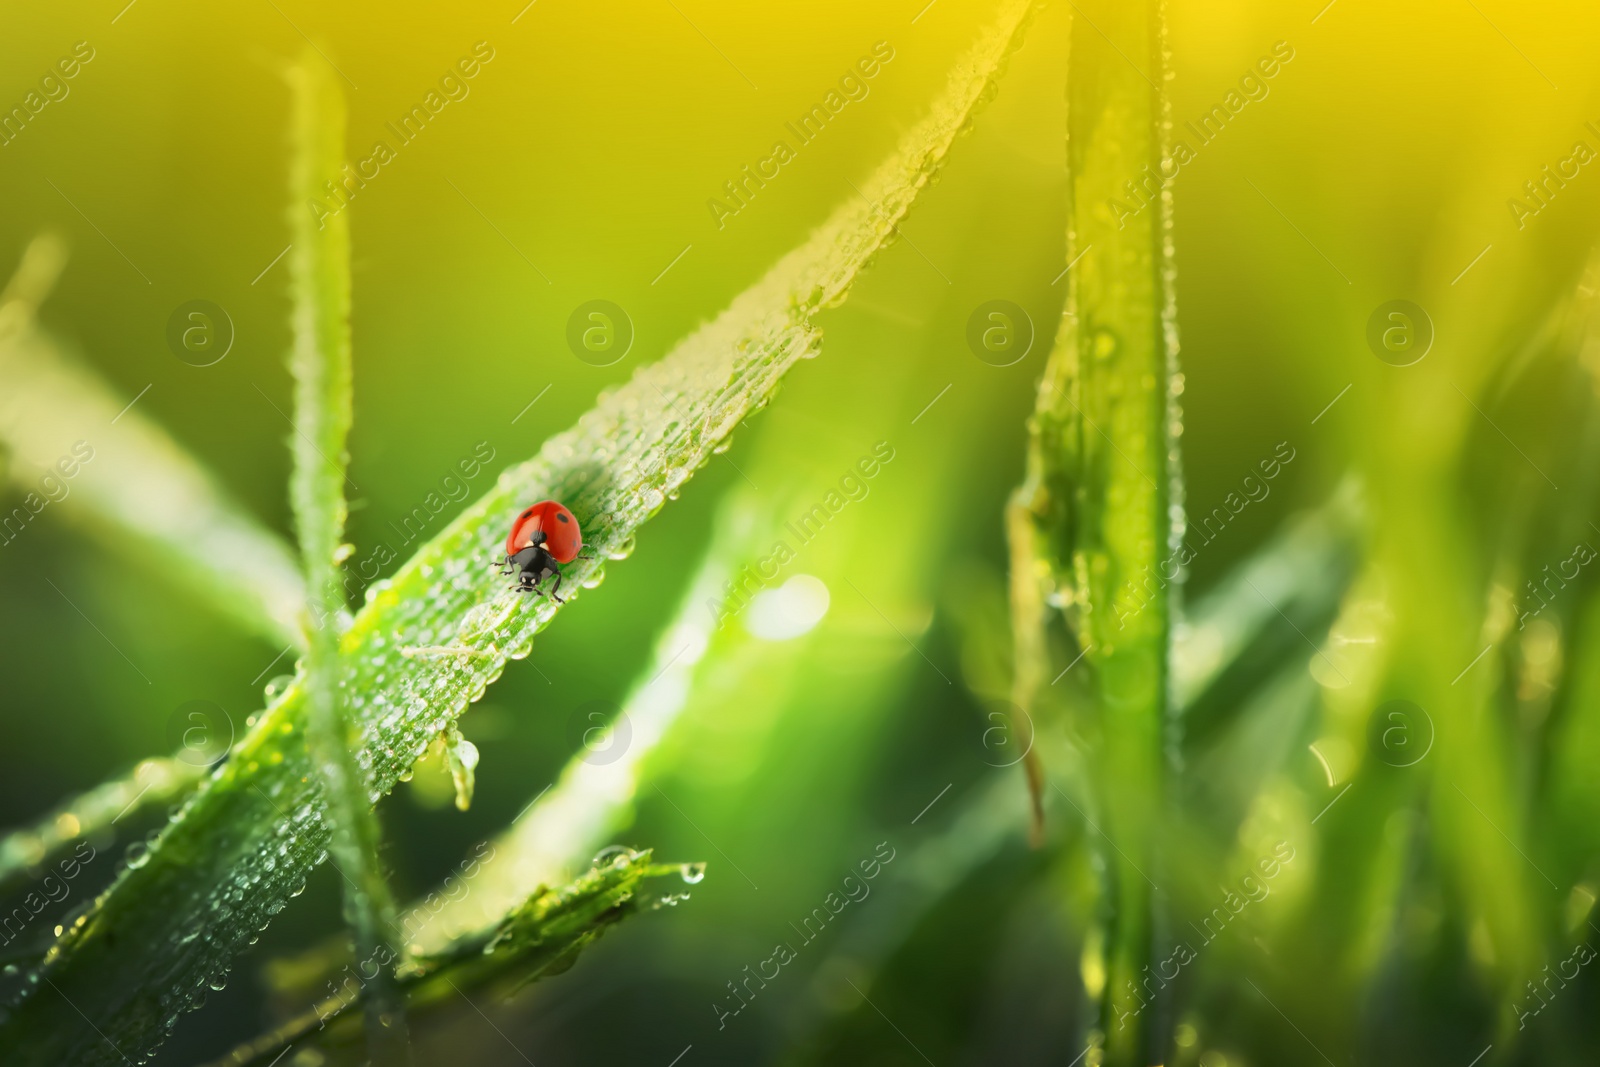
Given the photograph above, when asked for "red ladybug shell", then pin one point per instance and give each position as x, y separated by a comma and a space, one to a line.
563, 540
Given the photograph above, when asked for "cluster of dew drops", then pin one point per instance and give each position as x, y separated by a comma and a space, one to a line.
260, 865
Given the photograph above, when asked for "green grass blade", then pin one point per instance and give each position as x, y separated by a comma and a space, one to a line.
591, 799
542, 936
140, 492
1234, 637
1100, 509
231, 860
1306, 568
89, 816
319, 271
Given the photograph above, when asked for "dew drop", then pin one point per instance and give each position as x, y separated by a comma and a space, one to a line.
693, 872
276, 686
611, 853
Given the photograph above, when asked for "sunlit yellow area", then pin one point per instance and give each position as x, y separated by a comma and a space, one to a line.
936, 683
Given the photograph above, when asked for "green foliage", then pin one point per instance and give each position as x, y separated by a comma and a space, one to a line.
141, 495
91, 815
1398, 910
1099, 515
540, 937
319, 269
171, 925
591, 799
1226, 656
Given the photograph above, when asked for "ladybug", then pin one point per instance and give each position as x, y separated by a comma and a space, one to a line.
541, 537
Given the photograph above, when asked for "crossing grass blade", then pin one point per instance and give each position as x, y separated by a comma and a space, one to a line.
319, 271
1100, 511
541, 936
139, 492
169, 928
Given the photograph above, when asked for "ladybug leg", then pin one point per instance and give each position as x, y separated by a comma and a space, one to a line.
557, 588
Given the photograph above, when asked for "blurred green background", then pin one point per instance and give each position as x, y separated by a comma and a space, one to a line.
1378, 166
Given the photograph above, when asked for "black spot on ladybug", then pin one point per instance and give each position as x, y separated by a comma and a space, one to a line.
563, 518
